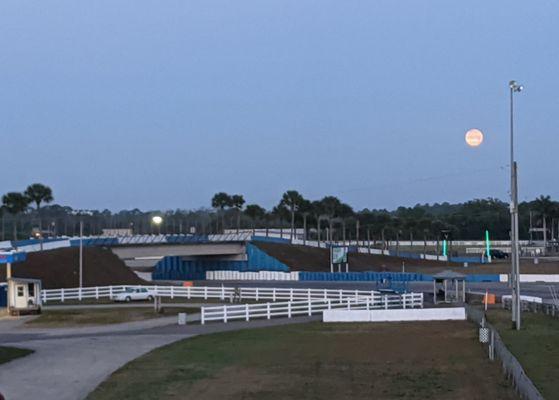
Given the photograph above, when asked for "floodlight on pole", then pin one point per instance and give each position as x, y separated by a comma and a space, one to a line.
515, 251
157, 220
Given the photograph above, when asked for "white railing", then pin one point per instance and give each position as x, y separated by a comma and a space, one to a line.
308, 307
252, 276
207, 292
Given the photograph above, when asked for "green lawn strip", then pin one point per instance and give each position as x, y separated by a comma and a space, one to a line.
536, 346
102, 316
11, 353
305, 361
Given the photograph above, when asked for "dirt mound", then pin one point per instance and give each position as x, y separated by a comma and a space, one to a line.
59, 268
304, 258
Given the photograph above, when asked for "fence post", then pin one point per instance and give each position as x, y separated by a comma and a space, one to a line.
111, 292
257, 294
310, 308
288, 309
222, 292
97, 292
80, 294
268, 310
291, 294
386, 302
325, 294
340, 293
274, 294
225, 314
348, 306
202, 315
329, 304
205, 293
368, 304
309, 295
188, 292
62, 296
246, 312
421, 296
404, 297
172, 292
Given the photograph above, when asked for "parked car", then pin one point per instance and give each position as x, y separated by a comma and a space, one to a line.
499, 254
134, 294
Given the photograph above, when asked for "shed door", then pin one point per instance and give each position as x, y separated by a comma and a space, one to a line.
21, 296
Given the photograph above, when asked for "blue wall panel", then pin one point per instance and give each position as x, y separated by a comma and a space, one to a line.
259, 260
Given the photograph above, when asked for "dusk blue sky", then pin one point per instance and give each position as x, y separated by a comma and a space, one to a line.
160, 104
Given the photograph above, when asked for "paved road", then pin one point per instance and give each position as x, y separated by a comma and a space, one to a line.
69, 363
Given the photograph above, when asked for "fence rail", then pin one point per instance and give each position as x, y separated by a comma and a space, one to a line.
511, 367
207, 292
534, 306
308, 307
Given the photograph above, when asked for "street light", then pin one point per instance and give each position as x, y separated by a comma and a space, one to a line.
157, 220
515, 253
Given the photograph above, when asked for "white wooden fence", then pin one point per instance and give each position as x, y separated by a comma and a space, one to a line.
308, 307
207, 292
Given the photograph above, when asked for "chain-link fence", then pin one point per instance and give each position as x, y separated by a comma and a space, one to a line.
511, 367
539, 308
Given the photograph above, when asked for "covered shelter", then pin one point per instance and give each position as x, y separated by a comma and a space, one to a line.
24, 296
453, 284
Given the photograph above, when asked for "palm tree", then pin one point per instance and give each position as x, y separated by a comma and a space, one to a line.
293, 200
254, 212
220, 201
39, 193
15, 203
237, 202
545, 206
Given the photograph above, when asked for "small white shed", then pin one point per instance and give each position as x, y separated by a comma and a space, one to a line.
24, 296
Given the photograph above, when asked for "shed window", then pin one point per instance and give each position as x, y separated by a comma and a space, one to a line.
31, 289
20, 291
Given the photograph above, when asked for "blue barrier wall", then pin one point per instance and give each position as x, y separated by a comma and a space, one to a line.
363, 276
3, 295
258, 260
380, 276
175, 268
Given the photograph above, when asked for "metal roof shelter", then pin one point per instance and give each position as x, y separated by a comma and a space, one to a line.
450, 281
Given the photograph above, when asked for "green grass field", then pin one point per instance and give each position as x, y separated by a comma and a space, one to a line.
536, 346
11, 353
316, 361
102, 316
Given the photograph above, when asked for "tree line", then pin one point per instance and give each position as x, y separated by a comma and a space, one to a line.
28, 212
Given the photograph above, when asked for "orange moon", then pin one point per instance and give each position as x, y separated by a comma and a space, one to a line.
474, 137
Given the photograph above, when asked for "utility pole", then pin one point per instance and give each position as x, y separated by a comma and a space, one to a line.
515, 253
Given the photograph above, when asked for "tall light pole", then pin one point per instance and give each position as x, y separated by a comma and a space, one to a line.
515, 253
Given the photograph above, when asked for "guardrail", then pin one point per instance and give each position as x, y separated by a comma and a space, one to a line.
206, 292
308, 307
